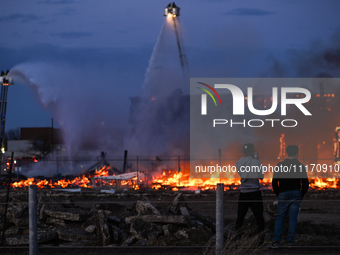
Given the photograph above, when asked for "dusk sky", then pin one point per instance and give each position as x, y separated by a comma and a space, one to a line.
115, 40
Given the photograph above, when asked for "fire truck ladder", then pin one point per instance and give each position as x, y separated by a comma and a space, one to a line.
3, 107
179, 38
5, 81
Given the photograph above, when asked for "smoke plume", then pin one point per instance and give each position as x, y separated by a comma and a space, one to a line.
82, 104
322, 59
160, 123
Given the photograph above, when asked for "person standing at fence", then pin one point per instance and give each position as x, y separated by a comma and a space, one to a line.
250, 170
290, 187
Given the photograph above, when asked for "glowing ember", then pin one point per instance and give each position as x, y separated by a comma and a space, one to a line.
22, 184
180, 180
102, 172
63, 183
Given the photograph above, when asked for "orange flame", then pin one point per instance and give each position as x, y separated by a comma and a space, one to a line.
102, 172
171, 179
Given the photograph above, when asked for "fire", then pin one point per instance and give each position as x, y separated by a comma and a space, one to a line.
282, 153
329, 183
179, 180
78, 181
83, 181
22, 184
102, 172
167, 179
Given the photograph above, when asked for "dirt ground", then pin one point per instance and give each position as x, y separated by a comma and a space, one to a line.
318, 228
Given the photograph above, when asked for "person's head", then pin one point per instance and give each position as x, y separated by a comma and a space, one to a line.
248, 149
292, 151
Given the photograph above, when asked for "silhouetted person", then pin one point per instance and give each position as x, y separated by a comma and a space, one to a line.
250, 189
290, 187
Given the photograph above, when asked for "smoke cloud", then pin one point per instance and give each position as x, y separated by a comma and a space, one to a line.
82, 104
322, 59
160, 123
87, 106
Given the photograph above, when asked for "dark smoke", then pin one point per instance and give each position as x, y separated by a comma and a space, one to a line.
322, 59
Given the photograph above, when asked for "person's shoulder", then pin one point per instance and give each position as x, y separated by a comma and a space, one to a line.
255, 161
297, 162
240, 160
280, 163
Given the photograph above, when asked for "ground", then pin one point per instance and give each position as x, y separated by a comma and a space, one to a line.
318, 228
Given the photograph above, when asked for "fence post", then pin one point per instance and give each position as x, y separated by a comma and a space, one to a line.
33, 219
179, 170
7, 198
137, 171
220, 160
219, 218
57, 170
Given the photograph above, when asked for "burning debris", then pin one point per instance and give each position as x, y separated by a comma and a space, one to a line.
103, 165
106, 180
166, 180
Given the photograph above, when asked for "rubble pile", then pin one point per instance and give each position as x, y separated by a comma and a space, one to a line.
107, 224
130, 219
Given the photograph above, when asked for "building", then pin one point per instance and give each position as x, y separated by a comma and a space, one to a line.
35, 142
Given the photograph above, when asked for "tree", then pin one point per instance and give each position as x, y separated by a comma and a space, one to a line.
41, 147
13, 134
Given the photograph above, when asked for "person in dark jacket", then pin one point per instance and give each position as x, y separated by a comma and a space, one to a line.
290, 184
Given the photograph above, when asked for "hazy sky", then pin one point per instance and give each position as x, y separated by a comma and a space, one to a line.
106, 37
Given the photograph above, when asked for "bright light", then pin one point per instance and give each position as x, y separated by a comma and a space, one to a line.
169, 15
